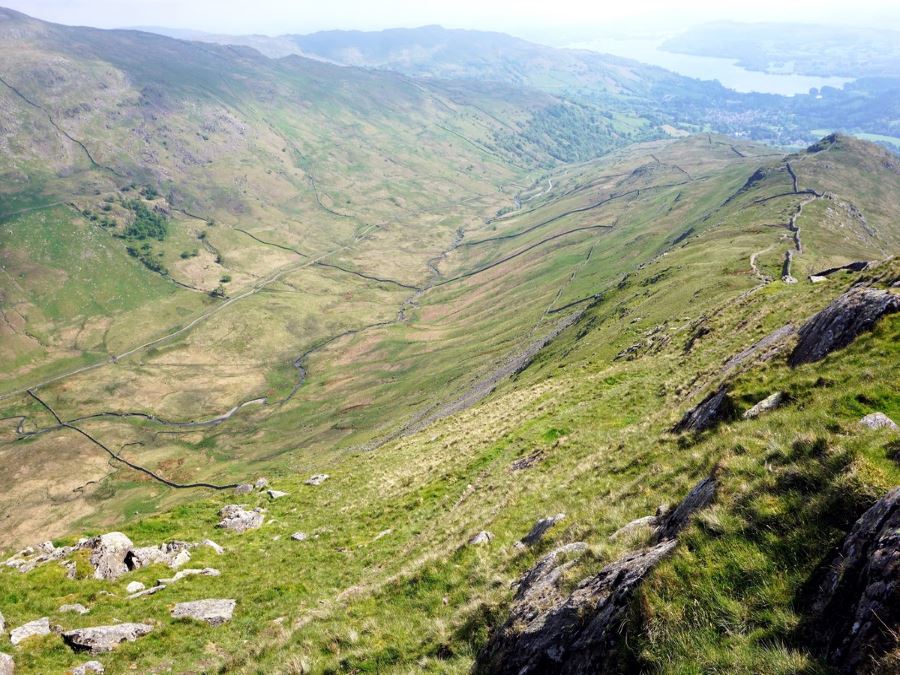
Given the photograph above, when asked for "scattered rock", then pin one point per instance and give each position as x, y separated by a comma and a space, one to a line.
205, 572
878, 420
646, 521
816, 279
528, 461
713, 409
108, 556
244, 489
855, 610
261, 483
238, 519
580, 633
134, 587
31, 629
213, 545
381, 534
299, 536
769, 403
318, 479
71, 569
7, 665
540, 528
213, 612
89, 667
837, 325
75, 608
101, 639
482, 537
2, 624
277, 494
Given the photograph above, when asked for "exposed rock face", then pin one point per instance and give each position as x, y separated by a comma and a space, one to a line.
700, 496
855, 614
108, 557
769, 403
101, 639
483, 537
579, 634
715, 408
540, 528
7, 665
213, 612
238, 519
87, 668
878, 420
31, 629
318, 479
837, 325
174, 554
75, 608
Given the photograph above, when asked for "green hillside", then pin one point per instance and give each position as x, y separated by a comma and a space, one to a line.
219, 267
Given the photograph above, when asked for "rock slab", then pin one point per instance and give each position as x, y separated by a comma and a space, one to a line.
7, 665
713, 409
102, 639
34, 628
540, 528
215, 612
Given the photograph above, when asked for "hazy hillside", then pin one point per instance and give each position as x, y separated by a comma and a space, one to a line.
412, 374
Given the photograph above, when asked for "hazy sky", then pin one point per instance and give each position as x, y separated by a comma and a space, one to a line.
530, 18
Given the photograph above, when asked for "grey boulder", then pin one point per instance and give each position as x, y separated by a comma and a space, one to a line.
878, 420
108, 555
215, 612
88, 667
238, 519
7, 665
101, 639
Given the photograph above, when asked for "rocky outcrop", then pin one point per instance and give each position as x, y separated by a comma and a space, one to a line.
214, 612
769, 403
540, 528
101, 639
34, 628
548, 632
108, 555
715, 408
173, 554
855, 612
7, 665
836, 326
238, 519
878, 420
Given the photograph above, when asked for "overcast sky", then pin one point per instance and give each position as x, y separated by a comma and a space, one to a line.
530, 18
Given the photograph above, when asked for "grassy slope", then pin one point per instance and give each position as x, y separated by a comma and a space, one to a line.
385, 582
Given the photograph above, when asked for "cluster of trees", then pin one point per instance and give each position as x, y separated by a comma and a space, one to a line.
147, 224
